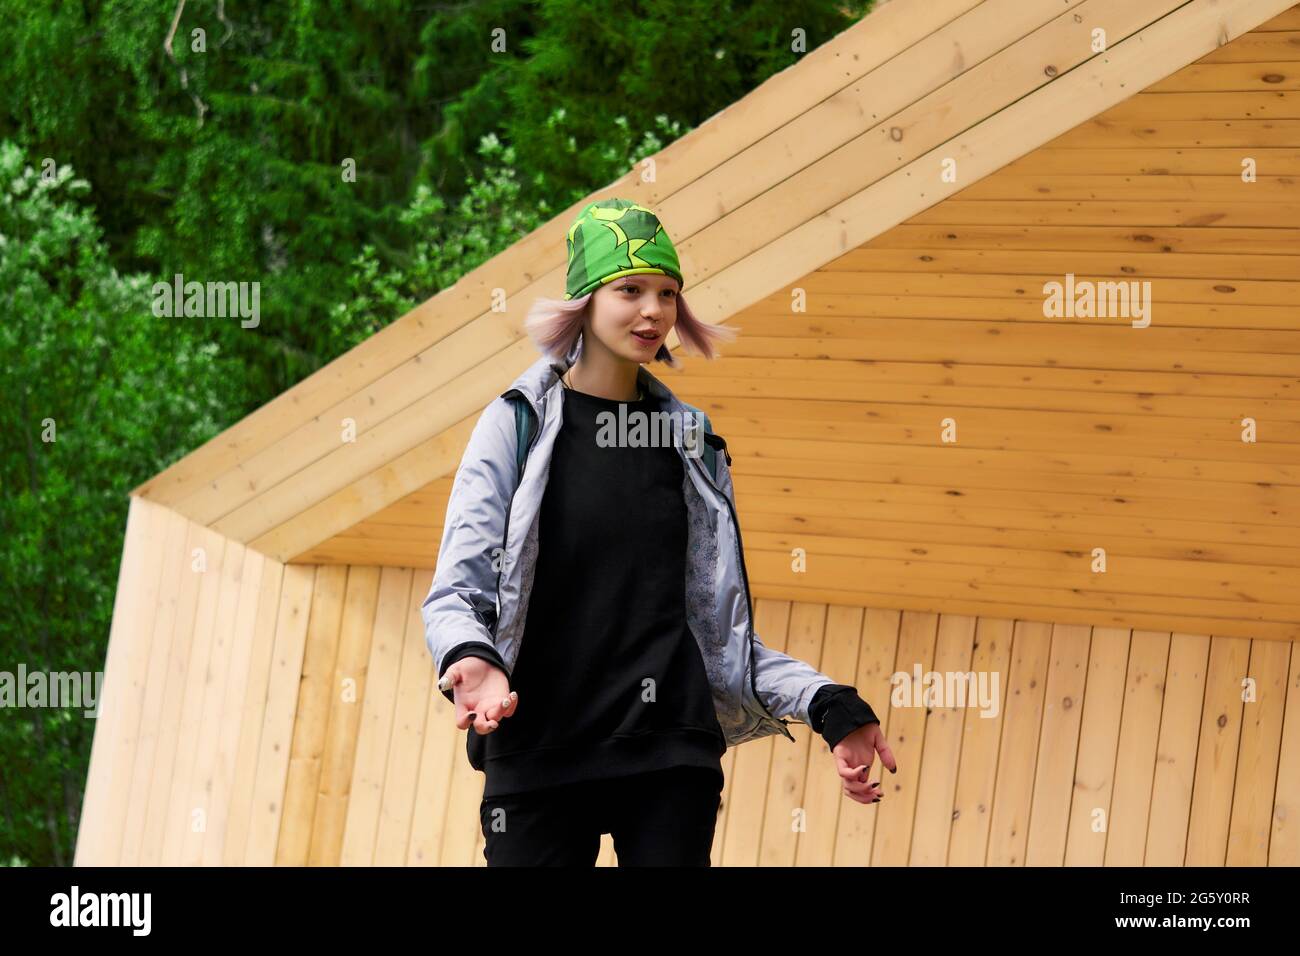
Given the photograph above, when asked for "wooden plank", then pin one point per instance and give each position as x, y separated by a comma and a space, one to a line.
220, 796
202, 806
1087, 213
428, 461
1054, 265
743, 837
954, 600
1016, 285
1097, 353
315, 692
1289, 19
896, 812
1202, 174
1175, 753
348, 689
1220, 186
997, 429
119, 705
943, 396
1220, 77
275, 740
785, 810
824, 800
1257, 756
1105, 238
395, 554
935, 522
1067, 673
937, 784
1216, 755
173, 604
180, 811
877, 652
1094, 765
1133, 507
988, 378
934, 580
255, 706
998, 547
422, 748
1191, 576
1018, 752
1258, 47
1168, 133
152, 828
1217, 314
1135, 762
977, 772
1200, 106
1171, 790
1284, 842
375, 732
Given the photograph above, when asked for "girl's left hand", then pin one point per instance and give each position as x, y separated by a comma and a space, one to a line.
853, 758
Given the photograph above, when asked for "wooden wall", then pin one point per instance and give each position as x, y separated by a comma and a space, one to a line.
1072, 433
257, 714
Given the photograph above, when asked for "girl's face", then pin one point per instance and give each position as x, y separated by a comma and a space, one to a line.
633, 304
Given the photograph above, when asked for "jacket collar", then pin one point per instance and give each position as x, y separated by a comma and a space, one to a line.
540, 377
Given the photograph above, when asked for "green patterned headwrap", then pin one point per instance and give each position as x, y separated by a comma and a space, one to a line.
612, 238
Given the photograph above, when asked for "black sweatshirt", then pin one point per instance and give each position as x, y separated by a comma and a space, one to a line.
610, 678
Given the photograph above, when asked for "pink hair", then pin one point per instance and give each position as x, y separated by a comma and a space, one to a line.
554, 326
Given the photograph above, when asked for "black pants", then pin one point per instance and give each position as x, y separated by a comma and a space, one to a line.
659, 818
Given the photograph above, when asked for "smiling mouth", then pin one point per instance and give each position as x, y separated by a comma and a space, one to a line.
647, 337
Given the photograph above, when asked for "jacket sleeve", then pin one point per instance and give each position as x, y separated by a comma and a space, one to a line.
461, 607
837, 711
785, 684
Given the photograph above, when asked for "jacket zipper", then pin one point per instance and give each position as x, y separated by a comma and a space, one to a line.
520, 480
740, 554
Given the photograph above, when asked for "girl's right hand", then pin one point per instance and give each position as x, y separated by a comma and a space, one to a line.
482, 692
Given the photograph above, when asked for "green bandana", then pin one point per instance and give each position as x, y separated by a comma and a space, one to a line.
613, 238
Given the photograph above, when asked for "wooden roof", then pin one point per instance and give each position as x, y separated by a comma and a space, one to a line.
923, 303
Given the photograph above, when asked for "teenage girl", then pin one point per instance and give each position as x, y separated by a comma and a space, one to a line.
617, 732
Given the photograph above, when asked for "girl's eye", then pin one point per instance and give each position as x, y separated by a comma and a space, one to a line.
671, 292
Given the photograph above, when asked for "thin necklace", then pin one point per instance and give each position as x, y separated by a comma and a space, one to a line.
639, 394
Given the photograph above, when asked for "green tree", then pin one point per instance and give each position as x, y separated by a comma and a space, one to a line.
98, 396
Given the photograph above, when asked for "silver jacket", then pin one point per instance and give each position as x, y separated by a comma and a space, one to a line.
488, 554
